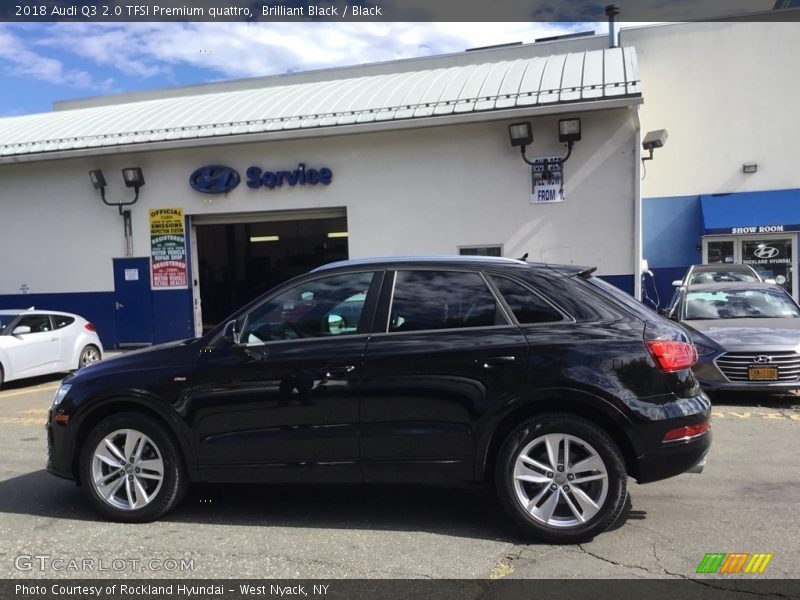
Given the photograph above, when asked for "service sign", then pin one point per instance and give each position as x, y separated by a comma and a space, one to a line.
547, 182
167, 248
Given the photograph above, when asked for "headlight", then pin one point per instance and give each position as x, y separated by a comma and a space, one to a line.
61, 393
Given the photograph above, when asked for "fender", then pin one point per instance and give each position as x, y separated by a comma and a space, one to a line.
564, 399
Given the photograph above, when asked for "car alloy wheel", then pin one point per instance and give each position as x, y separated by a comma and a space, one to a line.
89, 355
132, 468
127, 469
561, 478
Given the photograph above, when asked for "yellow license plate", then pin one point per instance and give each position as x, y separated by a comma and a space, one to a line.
762, 373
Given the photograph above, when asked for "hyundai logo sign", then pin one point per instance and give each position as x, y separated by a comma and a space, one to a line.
214, 179
766, 252
762, 359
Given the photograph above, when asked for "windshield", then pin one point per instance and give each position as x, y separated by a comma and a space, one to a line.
721, 276
5, 320
740, 304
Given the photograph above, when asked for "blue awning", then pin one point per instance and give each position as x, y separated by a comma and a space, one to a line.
751, 212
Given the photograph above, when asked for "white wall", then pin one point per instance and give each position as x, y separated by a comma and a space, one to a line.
423, 191
727, 93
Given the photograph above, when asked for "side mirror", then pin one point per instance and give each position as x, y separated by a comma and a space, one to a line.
677, 283
21, 329
229, 332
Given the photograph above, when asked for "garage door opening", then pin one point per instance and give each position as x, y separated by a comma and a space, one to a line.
239, 261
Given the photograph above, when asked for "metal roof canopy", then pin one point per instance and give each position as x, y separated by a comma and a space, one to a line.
391, 101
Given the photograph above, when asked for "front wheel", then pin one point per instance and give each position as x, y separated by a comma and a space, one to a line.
132, 468
562, 478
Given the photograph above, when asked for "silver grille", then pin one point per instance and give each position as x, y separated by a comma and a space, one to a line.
734, 364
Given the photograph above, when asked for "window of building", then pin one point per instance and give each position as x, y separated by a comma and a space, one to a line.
481, 251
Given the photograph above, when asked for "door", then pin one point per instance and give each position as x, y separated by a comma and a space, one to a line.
133, 301
35, 352
448, 354
280, 402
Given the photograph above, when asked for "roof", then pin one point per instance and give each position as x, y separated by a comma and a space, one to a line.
398, 260
732, 285
723, 267
422, 97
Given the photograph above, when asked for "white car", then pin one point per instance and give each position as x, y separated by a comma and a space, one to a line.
38, 342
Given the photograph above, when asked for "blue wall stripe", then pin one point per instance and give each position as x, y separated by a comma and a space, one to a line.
672, 229
172, 309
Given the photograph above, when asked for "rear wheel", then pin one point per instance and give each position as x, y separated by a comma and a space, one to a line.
132, 468
89, 355
562, 478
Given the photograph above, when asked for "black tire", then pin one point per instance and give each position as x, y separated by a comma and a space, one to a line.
89, 355
573, 519
157, 443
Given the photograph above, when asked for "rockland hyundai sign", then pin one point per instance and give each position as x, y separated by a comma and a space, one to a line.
219, 179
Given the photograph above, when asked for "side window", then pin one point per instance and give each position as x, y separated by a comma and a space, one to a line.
329, 306
37, 323
527, 306
442, 300
61, 321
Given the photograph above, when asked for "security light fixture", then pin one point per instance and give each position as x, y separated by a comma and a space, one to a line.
133, 178
749, 168
521, 134
654, 139
569, 132
98, 181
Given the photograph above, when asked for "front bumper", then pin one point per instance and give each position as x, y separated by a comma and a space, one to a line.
711, 379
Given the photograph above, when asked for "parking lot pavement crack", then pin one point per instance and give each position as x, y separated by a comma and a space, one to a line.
616, 563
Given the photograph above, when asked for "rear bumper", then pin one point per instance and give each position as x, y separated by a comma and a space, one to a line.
674, 458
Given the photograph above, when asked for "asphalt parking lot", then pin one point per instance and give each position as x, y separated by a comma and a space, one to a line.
745, 501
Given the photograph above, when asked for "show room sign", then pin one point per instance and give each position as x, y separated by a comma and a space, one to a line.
167, 248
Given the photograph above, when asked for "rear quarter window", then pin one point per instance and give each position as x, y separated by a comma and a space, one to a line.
528, 307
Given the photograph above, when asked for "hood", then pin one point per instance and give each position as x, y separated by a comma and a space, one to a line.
763, 334
162, 355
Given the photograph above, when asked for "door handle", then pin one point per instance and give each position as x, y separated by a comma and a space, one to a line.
495, 361
119, 305
53, 339
338, 372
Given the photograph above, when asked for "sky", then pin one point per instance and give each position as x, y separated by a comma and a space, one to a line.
45, 62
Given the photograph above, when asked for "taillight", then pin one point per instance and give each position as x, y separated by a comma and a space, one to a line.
687, 433
672, 356
89, 327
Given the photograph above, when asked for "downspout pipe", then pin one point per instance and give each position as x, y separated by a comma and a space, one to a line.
612, 10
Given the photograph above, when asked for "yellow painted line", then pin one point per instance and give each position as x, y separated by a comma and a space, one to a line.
29, 391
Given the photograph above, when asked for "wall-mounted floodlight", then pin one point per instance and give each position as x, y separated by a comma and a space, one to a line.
133, 177
521, 134
569, 132
654, 139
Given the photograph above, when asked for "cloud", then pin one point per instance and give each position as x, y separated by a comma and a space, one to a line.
18, 59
